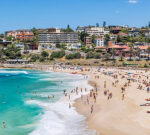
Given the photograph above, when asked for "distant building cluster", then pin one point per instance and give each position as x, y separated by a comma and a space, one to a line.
120, 38
53, 36
21, 34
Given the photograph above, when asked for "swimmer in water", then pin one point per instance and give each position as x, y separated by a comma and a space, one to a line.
4, 125
69, 105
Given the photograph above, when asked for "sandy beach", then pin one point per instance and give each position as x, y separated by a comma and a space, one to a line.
117, 116
126, 112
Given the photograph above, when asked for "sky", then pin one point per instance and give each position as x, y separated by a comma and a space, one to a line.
26, 14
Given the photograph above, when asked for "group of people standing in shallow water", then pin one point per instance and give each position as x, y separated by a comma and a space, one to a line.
91, 98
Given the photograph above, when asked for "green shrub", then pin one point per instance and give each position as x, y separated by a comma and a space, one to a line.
44, 54
77, 55
73, 56
90, 55
34, 58
145, 66
42, 59
97, 56
57, 54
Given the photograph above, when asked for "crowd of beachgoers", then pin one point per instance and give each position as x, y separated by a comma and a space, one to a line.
117, 104
118, 101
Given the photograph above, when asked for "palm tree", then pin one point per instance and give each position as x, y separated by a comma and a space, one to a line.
148, 51
121, 56
131, 52
113, 53
138, 53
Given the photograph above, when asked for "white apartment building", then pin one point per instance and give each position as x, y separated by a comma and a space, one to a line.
106, 32
99, 42
98, 31
80, 29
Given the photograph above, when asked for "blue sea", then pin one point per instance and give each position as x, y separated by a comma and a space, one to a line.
26, 109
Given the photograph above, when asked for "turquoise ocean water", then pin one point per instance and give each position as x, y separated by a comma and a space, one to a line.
26, 109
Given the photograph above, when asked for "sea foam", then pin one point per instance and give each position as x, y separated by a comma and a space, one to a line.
58, 119
13, 72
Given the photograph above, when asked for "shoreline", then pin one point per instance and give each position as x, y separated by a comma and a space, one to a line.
58, 114
114, 116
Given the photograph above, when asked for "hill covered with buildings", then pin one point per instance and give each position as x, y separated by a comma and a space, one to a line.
86, 42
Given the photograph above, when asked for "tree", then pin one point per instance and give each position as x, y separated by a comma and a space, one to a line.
113, 53
149, 24
131, 52
44, 54
34, 58
121, 57
57, 54
73, 56
104, 24
90, 55
97, 24
68, 29
12, 52
148, 51
2, 36
138, 53
8, 38
107, 56
97, 56
77, 55
83, 35
70, 56
64, 46
42, 59
35, 32
106, 39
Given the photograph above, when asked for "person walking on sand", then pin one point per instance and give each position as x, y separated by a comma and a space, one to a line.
94, 98
122, 96
105, 92
147, 89
91, 109
88, 100
105, 84
110, 95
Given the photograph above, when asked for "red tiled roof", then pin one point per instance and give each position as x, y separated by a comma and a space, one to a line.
116, 47
122, 34
116, 29
143, 47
